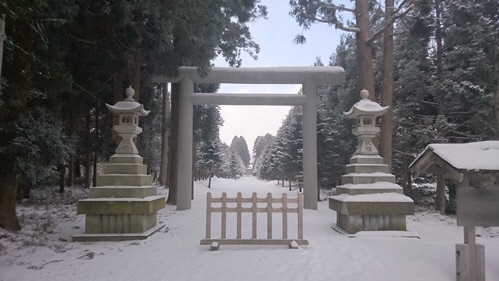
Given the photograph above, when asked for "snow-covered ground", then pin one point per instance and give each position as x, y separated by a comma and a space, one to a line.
43, 251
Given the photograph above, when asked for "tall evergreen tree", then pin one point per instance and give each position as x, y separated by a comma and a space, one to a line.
64, 60
34, 77
366, 29
261, 143
239, 145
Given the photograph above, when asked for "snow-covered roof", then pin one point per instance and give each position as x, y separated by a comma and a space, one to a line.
128, 105
366, 106
474, 156
483, 155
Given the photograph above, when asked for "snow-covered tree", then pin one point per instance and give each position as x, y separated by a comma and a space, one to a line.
261, 143
240, 146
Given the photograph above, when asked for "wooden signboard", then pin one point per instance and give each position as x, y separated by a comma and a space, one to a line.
478, 206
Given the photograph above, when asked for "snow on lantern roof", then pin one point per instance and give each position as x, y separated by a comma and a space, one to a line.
128, 105
366, 107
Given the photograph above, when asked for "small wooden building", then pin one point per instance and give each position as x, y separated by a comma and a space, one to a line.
475, 168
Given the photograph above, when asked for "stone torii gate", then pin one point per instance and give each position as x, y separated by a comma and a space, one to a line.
308, 77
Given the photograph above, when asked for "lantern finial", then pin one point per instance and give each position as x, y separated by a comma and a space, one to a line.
129, 92
364, 94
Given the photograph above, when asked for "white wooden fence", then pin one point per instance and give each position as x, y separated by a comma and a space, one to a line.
273, 205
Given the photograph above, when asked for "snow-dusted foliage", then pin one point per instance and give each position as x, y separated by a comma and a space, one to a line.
232, 165
240, 146
282, 158
261, 143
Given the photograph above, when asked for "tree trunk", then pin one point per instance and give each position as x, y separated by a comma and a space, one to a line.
77, 169
23, 188
495, 74
88, 160
96, 153
2, 36
8, 186
210, 175
440, 197
71, 167
406, 177
135, 81
164, 137
289, 184
439, 62
21, 63
88, 167
386, 125
62, 175
117, 96
364, 49
173, 147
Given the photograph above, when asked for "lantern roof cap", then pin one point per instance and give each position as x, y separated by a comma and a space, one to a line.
128, 105
366, 107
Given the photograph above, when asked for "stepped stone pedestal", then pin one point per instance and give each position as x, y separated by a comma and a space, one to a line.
369, 199
124, 204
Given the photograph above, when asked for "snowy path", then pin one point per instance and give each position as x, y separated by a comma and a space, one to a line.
175, 254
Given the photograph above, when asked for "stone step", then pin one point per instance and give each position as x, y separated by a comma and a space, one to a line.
121, 206
118, 236
125, 168
126, 158
366, 159
366, 168
372, 204
362, 178
380, 187
123, 180
122, 191
120, 215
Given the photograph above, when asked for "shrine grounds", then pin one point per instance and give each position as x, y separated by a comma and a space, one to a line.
43, 249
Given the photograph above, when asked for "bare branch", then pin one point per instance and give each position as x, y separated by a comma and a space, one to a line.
338, 8
335, 21
401, 5
389, 22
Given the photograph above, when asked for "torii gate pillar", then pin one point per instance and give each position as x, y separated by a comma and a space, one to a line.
310, 194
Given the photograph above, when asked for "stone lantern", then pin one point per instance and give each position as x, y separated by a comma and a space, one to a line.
124, 204
368, 198
128, 128
366, 111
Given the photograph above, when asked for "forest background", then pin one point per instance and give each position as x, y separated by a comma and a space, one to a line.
435, 62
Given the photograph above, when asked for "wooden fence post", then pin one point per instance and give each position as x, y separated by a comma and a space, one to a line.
284, 216
239, 212
224, 215
208, 215
254, 210
269, 215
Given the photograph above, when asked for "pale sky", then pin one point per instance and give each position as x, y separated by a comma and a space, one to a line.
275, 37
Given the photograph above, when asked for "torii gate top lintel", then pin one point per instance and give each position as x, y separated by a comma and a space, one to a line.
321, 75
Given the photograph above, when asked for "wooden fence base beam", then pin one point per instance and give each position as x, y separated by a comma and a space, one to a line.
254, 241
